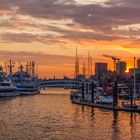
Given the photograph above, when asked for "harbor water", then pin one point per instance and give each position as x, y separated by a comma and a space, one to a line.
51, 116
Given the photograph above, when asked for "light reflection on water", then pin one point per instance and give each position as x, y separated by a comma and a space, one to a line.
51, 116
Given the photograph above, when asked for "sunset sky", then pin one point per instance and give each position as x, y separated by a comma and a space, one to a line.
48, 32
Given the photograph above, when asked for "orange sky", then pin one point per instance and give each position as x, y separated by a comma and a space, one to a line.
48, 32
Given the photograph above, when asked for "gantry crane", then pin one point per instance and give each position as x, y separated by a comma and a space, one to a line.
115, 60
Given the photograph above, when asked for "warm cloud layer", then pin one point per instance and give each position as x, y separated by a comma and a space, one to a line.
55, 27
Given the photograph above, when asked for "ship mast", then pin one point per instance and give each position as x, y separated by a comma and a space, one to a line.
27, 67
84, 69
134, 77
33, 68
76, 64
10, 66
89, 64
5, 64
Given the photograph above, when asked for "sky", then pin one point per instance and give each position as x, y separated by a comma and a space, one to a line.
48, 32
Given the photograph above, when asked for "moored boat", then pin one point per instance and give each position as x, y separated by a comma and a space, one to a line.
25, 83
7, 90
6, 87
104, 99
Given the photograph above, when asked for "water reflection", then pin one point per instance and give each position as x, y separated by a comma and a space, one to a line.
54, 117
116, 131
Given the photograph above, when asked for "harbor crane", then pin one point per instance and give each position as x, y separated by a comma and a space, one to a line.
115, 60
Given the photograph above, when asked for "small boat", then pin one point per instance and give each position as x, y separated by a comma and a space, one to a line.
104, 95
104, 99
128, 105
124, 95
75, 94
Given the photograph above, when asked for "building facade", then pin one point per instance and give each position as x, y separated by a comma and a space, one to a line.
121, 67
100, 68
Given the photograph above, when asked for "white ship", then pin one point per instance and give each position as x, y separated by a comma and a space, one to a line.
25, 83
6, 87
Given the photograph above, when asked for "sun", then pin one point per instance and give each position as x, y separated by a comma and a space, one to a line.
127, 71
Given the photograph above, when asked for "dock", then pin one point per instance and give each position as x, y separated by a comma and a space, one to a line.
104, 106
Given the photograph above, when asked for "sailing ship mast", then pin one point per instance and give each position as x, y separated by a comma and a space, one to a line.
134, 78
89, 64
10, 66
84, 69
76, 64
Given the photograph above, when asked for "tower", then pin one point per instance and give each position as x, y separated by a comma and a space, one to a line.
138, 63
121, 67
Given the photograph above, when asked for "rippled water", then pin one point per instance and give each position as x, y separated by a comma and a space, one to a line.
51, 116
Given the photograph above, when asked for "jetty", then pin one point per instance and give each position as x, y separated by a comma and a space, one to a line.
114, 106
108, 107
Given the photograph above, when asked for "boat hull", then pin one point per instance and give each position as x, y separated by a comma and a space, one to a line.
8, 91
103, 99
2, 95
27, 92
27, 88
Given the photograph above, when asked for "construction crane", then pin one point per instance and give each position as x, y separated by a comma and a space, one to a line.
115, 60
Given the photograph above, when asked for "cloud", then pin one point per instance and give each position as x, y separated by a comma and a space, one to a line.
28, 38
102, 19
41, 58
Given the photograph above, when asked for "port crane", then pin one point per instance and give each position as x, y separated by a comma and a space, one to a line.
115, 60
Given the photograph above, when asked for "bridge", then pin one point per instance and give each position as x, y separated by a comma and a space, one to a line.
60, 83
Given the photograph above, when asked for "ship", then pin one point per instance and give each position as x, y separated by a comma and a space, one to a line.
26, 83
7, 89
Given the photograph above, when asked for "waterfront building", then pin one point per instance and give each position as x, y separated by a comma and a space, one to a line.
100, 68
121, 67
131, 72
138, 63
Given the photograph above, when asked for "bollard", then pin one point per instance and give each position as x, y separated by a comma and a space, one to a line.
83, 91
92, 92
131, 94
87, 88
115, 98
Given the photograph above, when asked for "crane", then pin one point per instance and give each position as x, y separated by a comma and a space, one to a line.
115, 60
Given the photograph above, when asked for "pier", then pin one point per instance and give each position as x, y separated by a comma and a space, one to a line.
108, 107
114, 106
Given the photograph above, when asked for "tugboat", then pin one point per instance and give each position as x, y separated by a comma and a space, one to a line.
25, 83
6, 87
